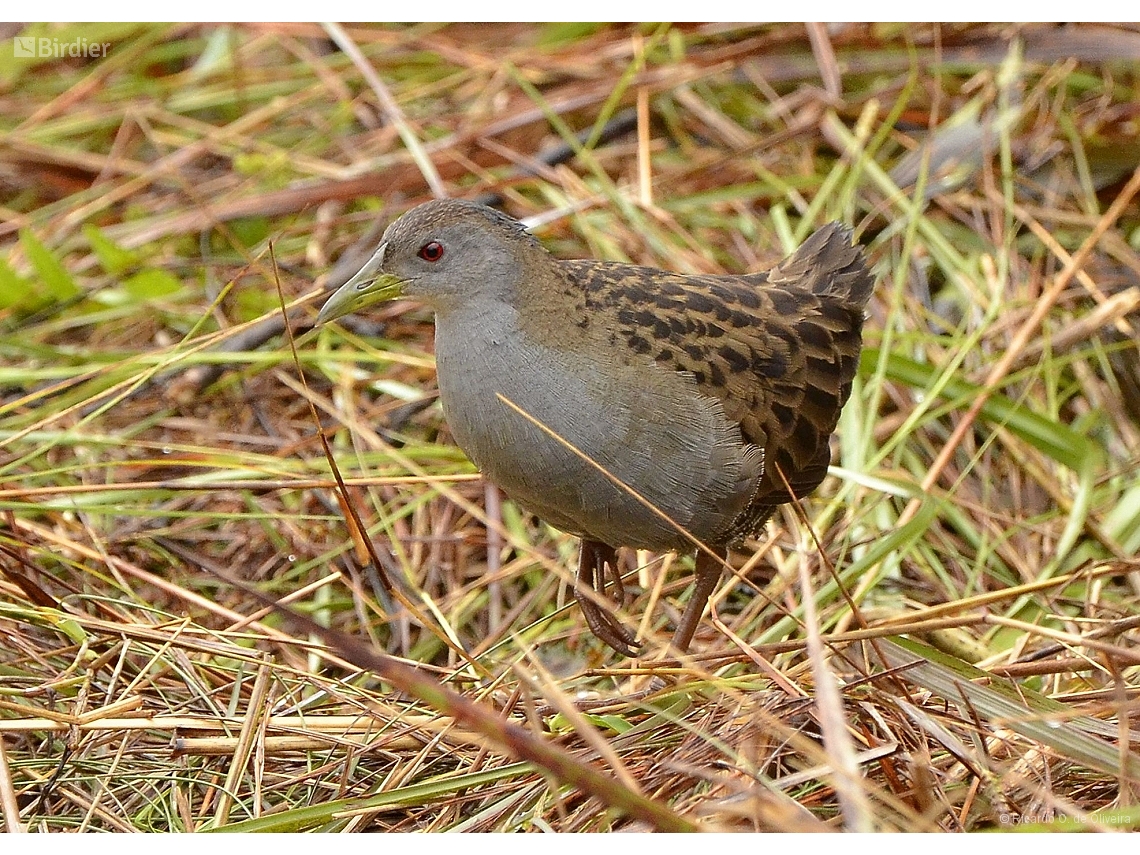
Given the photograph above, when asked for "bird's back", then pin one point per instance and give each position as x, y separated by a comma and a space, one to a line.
778, 349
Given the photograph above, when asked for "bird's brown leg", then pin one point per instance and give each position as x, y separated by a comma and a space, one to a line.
593, 556
707, 574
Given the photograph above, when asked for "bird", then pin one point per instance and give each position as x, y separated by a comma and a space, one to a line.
630, 406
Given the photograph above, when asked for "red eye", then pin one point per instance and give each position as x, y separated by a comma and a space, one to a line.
431, 251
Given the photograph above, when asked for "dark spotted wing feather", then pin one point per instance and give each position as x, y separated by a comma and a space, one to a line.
778, 349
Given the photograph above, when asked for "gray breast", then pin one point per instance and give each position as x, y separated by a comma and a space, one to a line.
647, 426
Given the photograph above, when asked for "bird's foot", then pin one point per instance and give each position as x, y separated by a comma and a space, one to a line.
595, 560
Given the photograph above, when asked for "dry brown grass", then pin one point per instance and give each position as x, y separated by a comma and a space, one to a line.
975, 605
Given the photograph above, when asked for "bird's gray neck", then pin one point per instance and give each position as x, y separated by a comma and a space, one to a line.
466, 330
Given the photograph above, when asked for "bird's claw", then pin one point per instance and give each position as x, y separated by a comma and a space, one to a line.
594, 560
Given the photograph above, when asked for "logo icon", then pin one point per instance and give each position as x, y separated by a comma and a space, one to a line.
26, 47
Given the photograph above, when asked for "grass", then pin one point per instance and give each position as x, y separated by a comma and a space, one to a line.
961, 652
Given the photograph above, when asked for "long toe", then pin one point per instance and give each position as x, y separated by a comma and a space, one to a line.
607, 629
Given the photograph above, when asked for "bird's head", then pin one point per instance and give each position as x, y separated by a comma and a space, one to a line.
442, 253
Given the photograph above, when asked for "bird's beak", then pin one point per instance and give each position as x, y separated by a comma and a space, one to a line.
368, 286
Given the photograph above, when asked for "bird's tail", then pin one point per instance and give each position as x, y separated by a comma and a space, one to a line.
827, 264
